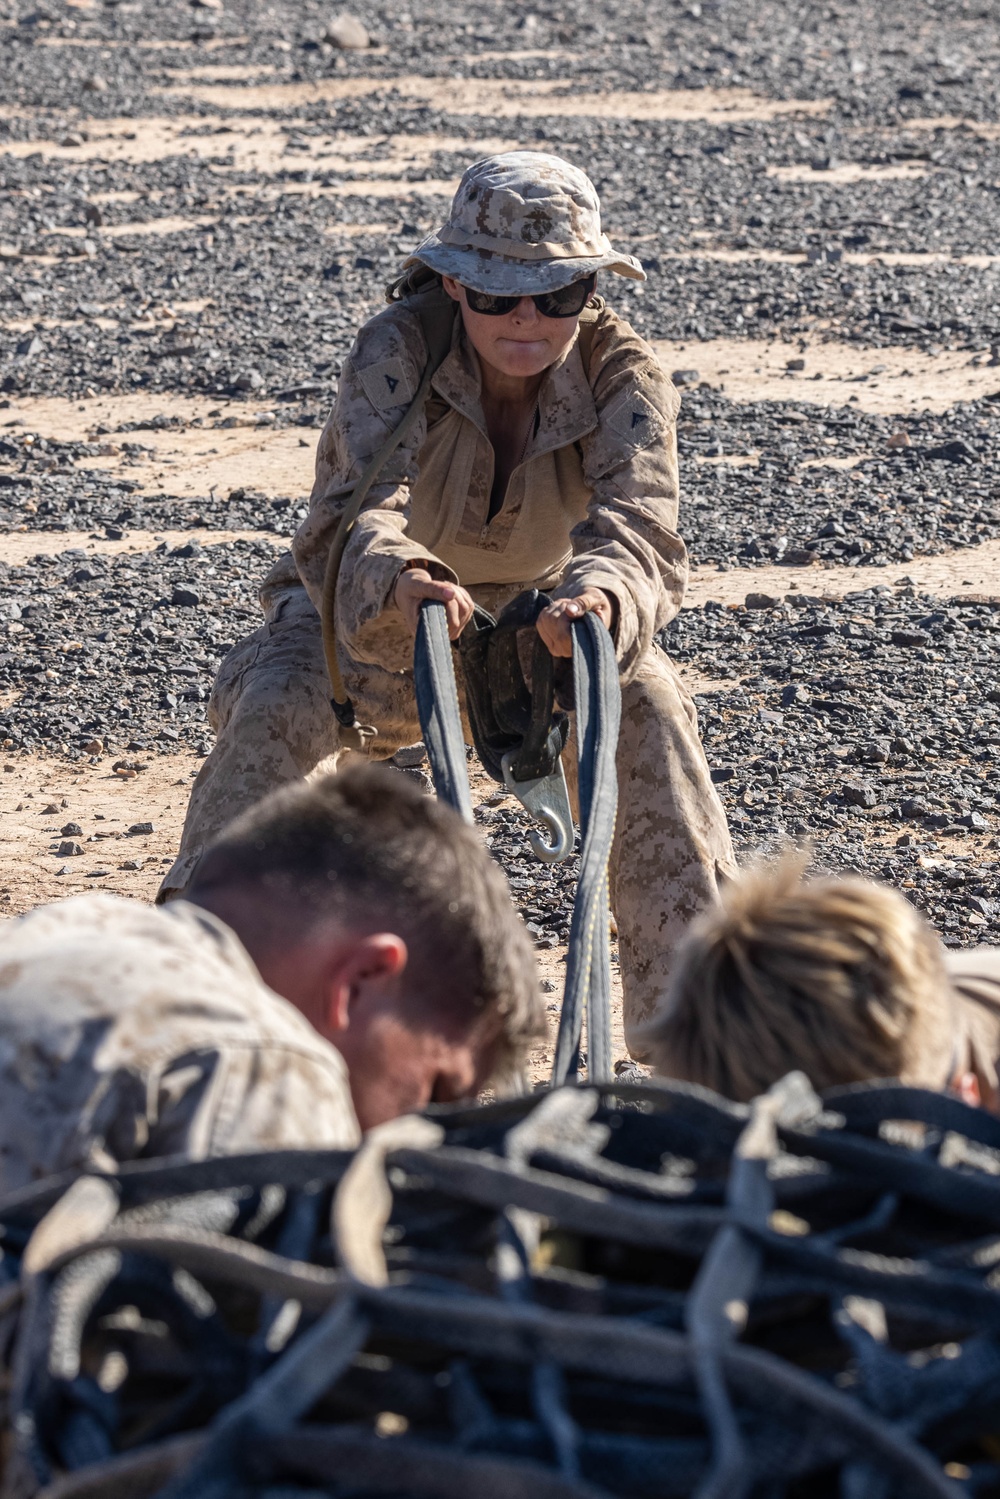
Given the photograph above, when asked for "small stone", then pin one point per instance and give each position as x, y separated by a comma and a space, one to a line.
49, 808
627, 1071
955, 451
131, 864
548, 987
347, 33
68, 849
909, 638
794, 695
410, 757
205, 4
685, 377
185, 597
795, 364
421, 778
721, 774
71, 830
249, 380
138, 828
859, 795
975, 821
761, 601
95, 84
915, 807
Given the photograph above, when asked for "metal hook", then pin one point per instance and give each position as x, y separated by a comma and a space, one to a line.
547, 800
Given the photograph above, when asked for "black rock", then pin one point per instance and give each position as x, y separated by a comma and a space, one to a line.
185, 597
71, 830
955, 451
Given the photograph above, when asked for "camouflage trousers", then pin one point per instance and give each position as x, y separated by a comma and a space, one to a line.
270, 709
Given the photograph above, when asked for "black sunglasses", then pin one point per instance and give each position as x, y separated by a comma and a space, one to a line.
566, 301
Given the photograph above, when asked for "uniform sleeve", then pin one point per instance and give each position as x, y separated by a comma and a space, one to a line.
246, 1098
628, 544
379, 380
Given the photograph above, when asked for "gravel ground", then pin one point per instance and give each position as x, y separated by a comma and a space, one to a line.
195, 208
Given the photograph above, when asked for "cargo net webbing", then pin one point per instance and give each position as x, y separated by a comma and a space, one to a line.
633, 1290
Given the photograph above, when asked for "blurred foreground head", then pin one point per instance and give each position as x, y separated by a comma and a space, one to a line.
839, 978
379, 914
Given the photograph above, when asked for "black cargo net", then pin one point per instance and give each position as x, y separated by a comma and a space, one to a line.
630, 1290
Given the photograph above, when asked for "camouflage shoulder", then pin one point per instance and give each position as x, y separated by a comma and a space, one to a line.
616, 347
388, 357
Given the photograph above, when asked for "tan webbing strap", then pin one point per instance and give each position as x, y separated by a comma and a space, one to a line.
588, 328
436, 312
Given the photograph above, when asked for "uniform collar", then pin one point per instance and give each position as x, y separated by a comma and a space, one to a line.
566, 406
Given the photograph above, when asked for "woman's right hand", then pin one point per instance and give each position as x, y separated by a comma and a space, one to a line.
415, 584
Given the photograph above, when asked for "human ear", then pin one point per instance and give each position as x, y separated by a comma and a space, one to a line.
359, 970
452, 287
966, 1085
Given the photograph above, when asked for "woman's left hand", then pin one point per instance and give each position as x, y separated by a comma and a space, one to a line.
554, 622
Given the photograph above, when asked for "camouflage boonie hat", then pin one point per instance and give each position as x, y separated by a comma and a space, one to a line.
521, 223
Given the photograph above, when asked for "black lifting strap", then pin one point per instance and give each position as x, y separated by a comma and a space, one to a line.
518, 726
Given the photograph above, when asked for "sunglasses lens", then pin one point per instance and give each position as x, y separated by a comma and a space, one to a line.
487, 304
568, 301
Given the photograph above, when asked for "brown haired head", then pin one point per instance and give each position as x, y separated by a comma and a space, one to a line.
839, 978
366, 852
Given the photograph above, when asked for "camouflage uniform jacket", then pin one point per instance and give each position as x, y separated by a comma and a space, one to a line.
592, 503
975, 982
130, 1031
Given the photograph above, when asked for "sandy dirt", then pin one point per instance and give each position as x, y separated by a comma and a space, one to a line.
879, 380
849, 257
105, 805
972, 571
252, 144
204, 461
18, 547
147, 44
55, 416
851, 172
510, 98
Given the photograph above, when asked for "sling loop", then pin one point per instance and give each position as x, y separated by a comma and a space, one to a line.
437, 706
513, 728
597, 693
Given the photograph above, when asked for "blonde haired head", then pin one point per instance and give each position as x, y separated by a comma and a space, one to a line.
840, 978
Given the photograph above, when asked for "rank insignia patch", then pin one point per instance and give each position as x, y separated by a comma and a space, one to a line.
635, 421
387, 384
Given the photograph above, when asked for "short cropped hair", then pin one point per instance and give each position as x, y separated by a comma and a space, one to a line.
839, 978
370, 849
